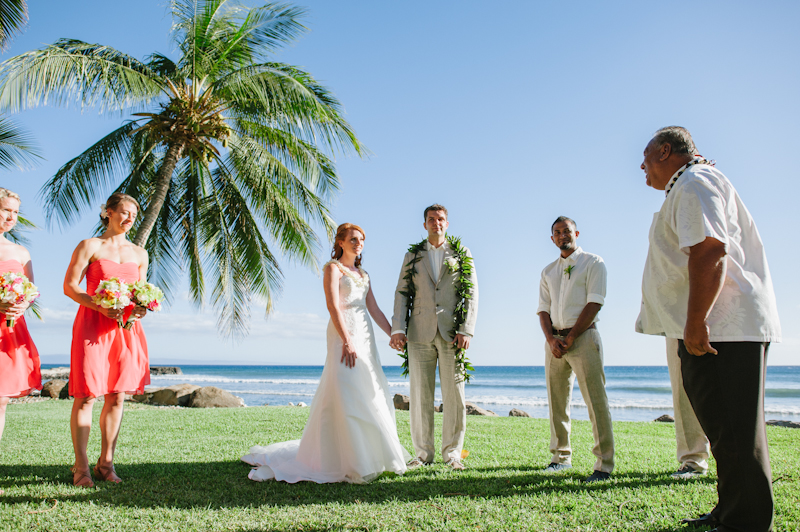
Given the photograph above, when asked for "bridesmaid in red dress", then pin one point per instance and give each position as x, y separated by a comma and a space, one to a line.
19, 361
105, 360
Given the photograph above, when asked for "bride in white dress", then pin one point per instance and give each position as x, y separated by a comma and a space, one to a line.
351, 434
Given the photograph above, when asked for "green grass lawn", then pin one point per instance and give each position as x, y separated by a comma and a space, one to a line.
182, 472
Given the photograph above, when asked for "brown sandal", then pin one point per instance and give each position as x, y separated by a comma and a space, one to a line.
81, 478
106, 473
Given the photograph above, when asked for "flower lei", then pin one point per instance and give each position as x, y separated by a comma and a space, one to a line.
698, 160
462, 266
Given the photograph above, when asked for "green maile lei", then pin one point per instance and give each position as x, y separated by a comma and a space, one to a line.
463, 266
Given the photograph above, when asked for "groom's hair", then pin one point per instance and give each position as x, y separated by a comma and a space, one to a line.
564, 219
434, 207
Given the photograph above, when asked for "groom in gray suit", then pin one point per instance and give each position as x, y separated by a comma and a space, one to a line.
430, 339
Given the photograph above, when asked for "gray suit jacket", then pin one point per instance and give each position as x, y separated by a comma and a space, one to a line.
435, 301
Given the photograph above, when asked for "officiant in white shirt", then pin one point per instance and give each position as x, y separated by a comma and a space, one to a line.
571, 293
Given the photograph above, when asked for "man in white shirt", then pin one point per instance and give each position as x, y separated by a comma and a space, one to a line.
430, 281
707, 284
571, 293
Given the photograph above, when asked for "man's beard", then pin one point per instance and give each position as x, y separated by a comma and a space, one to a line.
565, 247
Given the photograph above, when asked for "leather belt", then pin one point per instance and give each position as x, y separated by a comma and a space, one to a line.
564, 332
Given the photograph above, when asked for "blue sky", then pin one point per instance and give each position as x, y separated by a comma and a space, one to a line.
510, 113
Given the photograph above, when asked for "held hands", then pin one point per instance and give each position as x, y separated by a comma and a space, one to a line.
695, 338
13, 311
558, 346
349, 355
398, 341
461, 341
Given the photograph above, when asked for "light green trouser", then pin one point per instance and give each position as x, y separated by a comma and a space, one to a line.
584, 361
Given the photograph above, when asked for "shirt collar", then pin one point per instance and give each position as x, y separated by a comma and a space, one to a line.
573, 257
430, 247
698, 159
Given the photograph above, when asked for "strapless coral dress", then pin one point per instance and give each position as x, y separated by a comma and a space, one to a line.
106, 358
20, 371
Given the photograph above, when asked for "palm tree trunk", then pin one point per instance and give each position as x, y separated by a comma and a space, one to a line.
163, 181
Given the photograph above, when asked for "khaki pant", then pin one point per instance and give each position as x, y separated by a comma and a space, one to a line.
692, 444
585, 361
422, 359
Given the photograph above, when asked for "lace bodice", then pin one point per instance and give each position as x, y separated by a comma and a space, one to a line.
352, 288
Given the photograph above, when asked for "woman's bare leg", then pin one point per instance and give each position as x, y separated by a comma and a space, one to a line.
110, 422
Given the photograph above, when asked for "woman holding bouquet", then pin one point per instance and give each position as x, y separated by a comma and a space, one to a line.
106, 359
19, 361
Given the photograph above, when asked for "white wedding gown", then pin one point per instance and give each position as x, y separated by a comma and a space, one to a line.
351, 434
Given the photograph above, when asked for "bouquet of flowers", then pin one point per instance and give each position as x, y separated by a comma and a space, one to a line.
146, 295
113, 293
16, 288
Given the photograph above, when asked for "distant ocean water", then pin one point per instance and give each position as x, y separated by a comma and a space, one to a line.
635, 393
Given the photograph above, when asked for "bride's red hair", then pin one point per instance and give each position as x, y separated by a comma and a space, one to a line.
341, 234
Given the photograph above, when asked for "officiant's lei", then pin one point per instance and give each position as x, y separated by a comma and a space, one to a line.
461, 265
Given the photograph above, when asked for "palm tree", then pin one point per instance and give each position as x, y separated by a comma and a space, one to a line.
13, 16
224, 148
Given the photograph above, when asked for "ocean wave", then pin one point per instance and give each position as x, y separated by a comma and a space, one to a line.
262, 392
214, 378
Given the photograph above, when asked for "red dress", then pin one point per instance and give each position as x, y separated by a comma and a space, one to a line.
20, 371
106, 358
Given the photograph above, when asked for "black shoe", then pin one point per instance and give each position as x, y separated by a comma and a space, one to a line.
703, 520
597, 476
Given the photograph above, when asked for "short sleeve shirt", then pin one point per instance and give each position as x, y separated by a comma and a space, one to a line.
564, 294
703, 204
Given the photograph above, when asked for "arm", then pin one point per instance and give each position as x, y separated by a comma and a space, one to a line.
75, 273
398, 340
331, 284
585, 318
557, 346
707, 267
144, 262
468, 329
377, 314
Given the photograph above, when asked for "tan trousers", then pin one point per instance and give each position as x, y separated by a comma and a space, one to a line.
585, 361
692, 445
422, 359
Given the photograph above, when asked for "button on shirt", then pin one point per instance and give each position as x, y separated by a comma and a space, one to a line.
702, 204
564, 295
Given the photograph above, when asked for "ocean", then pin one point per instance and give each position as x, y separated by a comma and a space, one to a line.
635, 393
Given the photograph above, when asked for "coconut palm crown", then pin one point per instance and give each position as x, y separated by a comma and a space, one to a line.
226, 151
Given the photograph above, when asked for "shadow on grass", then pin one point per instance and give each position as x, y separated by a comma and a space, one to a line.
225, 485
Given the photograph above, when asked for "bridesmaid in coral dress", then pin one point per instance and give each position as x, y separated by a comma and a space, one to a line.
19, 361
105, 360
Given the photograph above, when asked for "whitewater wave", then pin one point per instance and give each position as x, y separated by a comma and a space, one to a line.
215, 378
262, 392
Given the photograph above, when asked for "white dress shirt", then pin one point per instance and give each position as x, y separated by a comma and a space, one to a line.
702, 204
564, 295
436, 256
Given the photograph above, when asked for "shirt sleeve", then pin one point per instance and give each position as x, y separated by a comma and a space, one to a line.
596, 282
699, 214
544, 294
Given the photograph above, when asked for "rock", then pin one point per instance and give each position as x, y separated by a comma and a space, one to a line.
64, 394
53, 388
475, 410
401, 401
781, 423
666, 418
301, 403
515, 412
165, 370
55, 373
213, 397
146, 397
176, 395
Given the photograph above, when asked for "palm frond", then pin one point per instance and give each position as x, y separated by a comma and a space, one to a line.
16, 146
87, 177
13, 17
71, 70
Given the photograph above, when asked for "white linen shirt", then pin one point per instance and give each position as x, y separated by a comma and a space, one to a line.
701, 204
436, 256
563, 295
